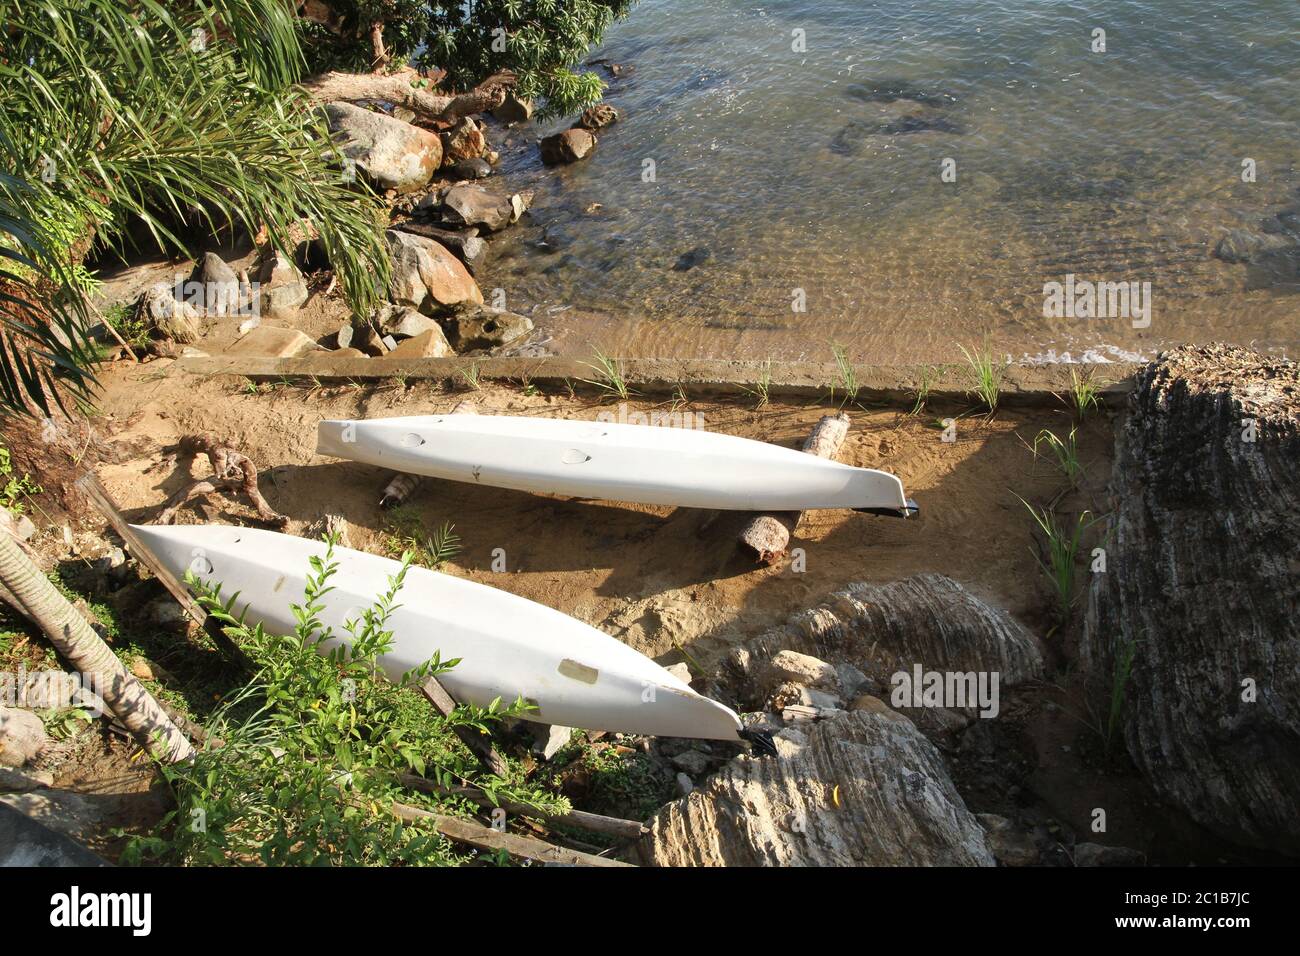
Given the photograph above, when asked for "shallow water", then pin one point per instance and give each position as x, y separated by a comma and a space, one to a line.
820, 171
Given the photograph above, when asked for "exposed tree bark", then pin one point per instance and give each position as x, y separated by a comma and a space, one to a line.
767, 536
377, 45
1201, 591
86, 653
397, 88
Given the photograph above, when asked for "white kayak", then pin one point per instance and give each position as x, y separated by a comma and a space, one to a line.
645, 464
509, 646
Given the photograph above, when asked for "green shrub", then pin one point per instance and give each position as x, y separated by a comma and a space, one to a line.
303, 763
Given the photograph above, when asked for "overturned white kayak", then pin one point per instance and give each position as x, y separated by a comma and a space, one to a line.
685, 467
509, 646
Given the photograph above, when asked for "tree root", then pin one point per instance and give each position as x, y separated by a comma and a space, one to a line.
232, 471
398, 88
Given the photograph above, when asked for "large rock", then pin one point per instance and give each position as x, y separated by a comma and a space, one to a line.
464, 244
214, 285
884, 629
160, 310
1203, 589
431, 343
597, 117
428, 277
464, 141
567, 146
281, 288
391, 154
864, 789
269, 341
513, 109
22, 736
469, 205
485, 328
402, 321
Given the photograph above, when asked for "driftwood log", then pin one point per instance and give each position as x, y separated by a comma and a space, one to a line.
476, 835
398, 88
231, 471
595, 822
768, 536
1201, 593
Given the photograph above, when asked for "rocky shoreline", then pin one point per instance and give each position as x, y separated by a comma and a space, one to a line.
445, 203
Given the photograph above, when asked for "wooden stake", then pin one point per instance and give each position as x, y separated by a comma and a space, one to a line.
117, 335
92, 489
479, 744
767, 536
486, 838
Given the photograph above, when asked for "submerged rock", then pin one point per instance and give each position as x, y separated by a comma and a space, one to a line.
484, 328
865, 789
1202, 592
691, 258
893, 90
567, 146
390, 153
1242, 245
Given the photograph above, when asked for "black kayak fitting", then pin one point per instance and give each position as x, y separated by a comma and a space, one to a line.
760, 742
909, 509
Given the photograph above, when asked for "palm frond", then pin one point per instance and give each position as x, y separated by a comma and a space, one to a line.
117, 113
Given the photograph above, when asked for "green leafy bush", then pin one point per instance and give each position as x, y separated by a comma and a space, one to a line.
303, 763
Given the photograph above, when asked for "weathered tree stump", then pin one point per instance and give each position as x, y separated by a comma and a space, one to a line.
231, 470
1202, 590
767, 536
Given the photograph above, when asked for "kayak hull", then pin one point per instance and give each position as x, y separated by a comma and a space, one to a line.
643, 464
576, 675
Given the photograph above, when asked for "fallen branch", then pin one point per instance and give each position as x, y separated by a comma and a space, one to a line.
397, 88
479, 744
232, 471
486, 838
767, 536
595, 822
